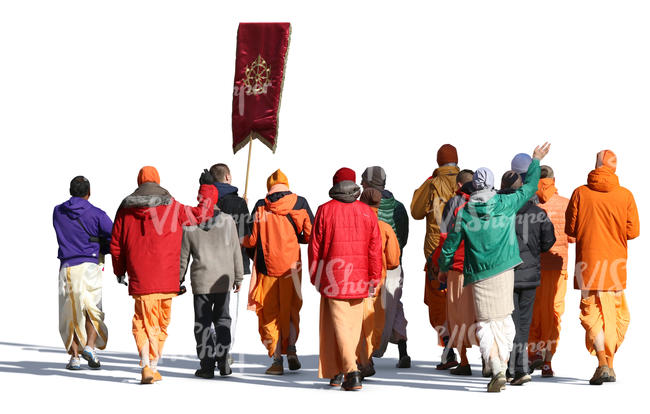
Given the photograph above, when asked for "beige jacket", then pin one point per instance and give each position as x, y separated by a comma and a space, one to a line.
429, 200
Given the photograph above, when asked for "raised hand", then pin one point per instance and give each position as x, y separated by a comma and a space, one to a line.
206, 178
541, 151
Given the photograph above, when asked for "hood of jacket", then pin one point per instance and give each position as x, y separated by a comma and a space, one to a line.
345, 191
281, 203
466, 190
75, 207
602, 179
481, 203
226, 189
546, 189
146, 196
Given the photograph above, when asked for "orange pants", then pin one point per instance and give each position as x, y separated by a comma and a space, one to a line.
278, 302
604, 313
547, 313
436, 300
372, 328
340, 329
150, 322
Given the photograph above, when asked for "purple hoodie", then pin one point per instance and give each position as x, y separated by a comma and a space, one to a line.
74, 244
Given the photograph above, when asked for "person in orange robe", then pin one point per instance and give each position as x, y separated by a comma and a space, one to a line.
549, 298
282, 221
374, 313
428, 202
602, 216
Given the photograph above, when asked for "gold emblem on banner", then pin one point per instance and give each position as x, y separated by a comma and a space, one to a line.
257, 77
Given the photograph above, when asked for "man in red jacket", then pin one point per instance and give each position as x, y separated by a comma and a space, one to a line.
146, 244
345, 263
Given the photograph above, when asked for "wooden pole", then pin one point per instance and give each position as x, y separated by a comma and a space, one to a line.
248, 167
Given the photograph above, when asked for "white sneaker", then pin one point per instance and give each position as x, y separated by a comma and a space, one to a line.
74, 364
90, 355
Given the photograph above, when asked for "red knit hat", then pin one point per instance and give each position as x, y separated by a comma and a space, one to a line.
446, 154
344, 174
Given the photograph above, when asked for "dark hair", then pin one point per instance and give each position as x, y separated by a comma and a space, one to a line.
464, 176
79, 186
546, 172
219, 172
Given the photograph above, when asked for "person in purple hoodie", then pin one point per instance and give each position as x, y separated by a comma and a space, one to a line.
83, 232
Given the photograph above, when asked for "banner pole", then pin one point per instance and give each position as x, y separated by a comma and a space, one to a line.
248, 167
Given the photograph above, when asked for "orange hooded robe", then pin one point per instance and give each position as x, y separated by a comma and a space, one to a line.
549, 298
602, 216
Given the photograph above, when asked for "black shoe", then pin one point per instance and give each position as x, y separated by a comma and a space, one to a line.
464, 370
224, 367
336, 381
404, 362
367, 371
352, 381
448, 362
207, 373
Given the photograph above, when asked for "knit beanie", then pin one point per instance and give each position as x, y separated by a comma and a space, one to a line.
606, 158
447, 154
277, 177
374, 177
483, 179
520, 163
371, 196
510, 180
344, 174
148, 174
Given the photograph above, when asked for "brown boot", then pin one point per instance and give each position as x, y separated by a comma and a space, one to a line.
292, 358
147, 375
601, 375
276, 367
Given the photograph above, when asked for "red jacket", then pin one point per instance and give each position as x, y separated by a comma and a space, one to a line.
147, 236
449, 215
345, 251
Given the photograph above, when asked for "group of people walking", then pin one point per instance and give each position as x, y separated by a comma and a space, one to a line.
495, 267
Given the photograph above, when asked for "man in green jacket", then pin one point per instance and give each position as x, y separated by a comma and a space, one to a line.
487, 226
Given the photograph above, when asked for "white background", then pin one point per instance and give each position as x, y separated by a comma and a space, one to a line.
103, 88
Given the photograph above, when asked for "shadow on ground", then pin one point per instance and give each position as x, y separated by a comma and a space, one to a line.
249, 369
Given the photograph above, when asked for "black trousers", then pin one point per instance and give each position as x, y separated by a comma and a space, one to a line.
522, 317
208, 310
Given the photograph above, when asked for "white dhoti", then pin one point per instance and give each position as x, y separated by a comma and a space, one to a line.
80, 296
494, 305
391, 297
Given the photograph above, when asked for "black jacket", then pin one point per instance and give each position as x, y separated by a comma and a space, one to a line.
535, 234
230, 203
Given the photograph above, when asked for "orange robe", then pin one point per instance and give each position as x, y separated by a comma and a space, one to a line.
549, 297
461, 314
150, 322
374, 312
276, 297
340, 324
606, 313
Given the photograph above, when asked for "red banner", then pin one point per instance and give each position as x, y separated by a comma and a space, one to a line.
259, 75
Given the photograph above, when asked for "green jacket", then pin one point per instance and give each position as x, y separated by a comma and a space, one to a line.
487, 227
394, 213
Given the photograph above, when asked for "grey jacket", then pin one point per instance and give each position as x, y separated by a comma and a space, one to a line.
217, 261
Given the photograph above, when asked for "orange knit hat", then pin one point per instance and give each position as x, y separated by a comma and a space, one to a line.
277, 177
148, 175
